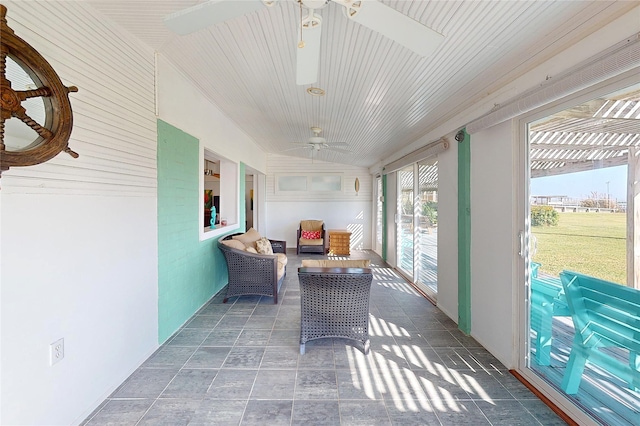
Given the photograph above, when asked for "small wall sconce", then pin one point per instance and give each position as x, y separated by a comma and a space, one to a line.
357, 186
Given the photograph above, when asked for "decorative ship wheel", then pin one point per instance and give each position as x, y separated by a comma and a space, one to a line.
52, 136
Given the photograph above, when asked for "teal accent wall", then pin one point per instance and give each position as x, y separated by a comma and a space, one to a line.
190, 271
464, 234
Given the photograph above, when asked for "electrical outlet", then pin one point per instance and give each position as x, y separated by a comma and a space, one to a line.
56, 351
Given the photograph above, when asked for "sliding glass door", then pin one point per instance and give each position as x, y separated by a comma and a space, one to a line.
583, 195
404, 221
417, 224
427, 224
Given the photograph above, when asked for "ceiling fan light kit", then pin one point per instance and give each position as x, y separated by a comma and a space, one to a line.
372, 14
315, 91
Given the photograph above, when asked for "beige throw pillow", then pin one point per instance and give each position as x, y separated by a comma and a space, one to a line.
249, 238
234, 244
263, 245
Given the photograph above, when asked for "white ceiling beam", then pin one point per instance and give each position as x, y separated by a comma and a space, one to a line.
579, 166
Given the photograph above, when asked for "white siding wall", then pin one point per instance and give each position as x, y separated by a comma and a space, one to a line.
344, 210
493, 209
78, 237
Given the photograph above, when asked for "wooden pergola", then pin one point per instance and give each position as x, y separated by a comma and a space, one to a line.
603, 132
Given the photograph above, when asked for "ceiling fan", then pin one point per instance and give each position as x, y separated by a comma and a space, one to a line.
371, 13
316, 142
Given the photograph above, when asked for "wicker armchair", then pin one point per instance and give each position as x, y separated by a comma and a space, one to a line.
305, 245
254, 274
334, 302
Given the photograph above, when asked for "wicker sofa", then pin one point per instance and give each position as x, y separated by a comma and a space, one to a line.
334, 302
251, 272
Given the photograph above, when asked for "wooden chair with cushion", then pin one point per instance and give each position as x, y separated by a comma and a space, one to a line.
310, 238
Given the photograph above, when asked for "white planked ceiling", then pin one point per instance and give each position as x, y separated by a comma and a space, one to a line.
380, 97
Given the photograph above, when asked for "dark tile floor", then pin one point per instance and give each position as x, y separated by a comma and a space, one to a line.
239, 363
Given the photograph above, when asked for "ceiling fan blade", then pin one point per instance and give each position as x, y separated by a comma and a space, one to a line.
337, 144
308, 57
212, 12
396, 26
297, 147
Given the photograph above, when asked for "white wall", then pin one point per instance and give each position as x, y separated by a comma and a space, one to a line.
344, 210
493, 237
284, 218
181, 104
78, 237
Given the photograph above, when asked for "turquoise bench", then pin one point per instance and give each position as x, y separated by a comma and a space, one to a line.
547, 301
605, 315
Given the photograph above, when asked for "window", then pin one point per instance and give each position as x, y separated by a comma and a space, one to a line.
219, 186
292, 183
313, 183
326, 183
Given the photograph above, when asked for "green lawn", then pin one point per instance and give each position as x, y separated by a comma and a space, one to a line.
590, 243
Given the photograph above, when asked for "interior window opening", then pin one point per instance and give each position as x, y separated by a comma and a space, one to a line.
220, 198
211, 193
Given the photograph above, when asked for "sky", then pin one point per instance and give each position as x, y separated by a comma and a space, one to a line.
582, 184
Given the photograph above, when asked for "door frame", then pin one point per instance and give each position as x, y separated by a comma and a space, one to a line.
378, 214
